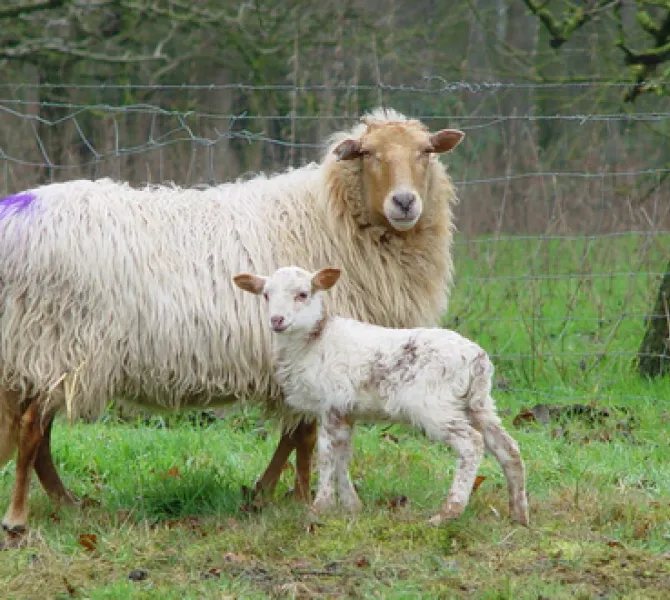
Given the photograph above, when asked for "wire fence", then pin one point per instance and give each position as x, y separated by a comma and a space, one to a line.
564, 219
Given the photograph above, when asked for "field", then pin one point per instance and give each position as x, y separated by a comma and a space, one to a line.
563, 317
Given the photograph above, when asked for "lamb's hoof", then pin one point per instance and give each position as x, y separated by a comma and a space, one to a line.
352, 505
320, 506
518, 511
450, 512
520, 516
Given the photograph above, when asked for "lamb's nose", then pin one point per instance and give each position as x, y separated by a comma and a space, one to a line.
404, 200
277, 322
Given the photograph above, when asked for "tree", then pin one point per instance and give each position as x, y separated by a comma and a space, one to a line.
644, 43
653, 33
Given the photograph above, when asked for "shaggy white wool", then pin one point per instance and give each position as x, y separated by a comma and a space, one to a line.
109, 290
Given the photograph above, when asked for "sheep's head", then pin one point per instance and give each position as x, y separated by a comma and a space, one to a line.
292, 295
396, 157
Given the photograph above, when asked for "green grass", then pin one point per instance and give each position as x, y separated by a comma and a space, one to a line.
169, 497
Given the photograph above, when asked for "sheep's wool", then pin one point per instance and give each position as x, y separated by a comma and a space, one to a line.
108, 290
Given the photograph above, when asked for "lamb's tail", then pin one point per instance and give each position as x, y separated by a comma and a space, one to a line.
10, 421
481, 370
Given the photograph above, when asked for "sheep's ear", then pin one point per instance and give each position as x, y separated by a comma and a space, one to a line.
325, 279
250, 283
348, 150
445, 140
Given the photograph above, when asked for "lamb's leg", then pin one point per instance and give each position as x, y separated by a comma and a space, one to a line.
345, 488
469, 446
506, 451
30, 436
303, 437
329, 433
46, 470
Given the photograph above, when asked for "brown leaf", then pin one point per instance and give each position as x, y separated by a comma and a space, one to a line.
397, 502
362, 562
313, 526
234, 557
70, 589
88, 502
478, 481
213, 573
389, 436
614, 544
171, 472
89, 541
642, 530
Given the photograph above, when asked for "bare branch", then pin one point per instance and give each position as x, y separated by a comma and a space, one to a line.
9, 12
41, 46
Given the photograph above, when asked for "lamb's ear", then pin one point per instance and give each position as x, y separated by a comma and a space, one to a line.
325, 279
348, 150
445, 140
250, 283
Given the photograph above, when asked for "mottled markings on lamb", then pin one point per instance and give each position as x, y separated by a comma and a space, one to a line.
480, 363
315, 334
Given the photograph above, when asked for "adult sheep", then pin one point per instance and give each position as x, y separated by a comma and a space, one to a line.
106, 290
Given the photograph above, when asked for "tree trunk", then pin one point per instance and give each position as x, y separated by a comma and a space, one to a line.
654, 352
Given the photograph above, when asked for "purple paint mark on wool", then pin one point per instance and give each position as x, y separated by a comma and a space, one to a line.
16, 203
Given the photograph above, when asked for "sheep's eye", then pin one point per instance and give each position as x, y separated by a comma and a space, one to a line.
301, 296
265, 295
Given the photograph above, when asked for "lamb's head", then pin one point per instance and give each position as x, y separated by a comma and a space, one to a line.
395, 159
293, 296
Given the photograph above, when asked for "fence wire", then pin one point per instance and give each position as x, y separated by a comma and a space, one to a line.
564, 223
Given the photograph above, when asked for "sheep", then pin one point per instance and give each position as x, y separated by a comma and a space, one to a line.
340, 370
107, 290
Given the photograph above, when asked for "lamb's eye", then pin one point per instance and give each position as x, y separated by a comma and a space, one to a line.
265, 295
301, 296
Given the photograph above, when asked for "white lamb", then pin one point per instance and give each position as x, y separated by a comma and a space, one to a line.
341, 369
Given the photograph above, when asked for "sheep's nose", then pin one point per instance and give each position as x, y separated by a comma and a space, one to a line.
277, 322
404, 200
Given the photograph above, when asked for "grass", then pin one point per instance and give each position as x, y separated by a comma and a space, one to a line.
169, 497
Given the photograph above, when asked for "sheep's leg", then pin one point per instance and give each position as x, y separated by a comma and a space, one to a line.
30, 436
10, 422
345, 488
266, 484
329, 448
47, 473
302, 438
469, 446
305, 439
506, 451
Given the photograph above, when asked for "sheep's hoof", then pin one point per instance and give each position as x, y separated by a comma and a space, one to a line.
12, 541
16, 528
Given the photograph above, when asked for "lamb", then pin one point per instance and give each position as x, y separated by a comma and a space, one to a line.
340, 370
106, 290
